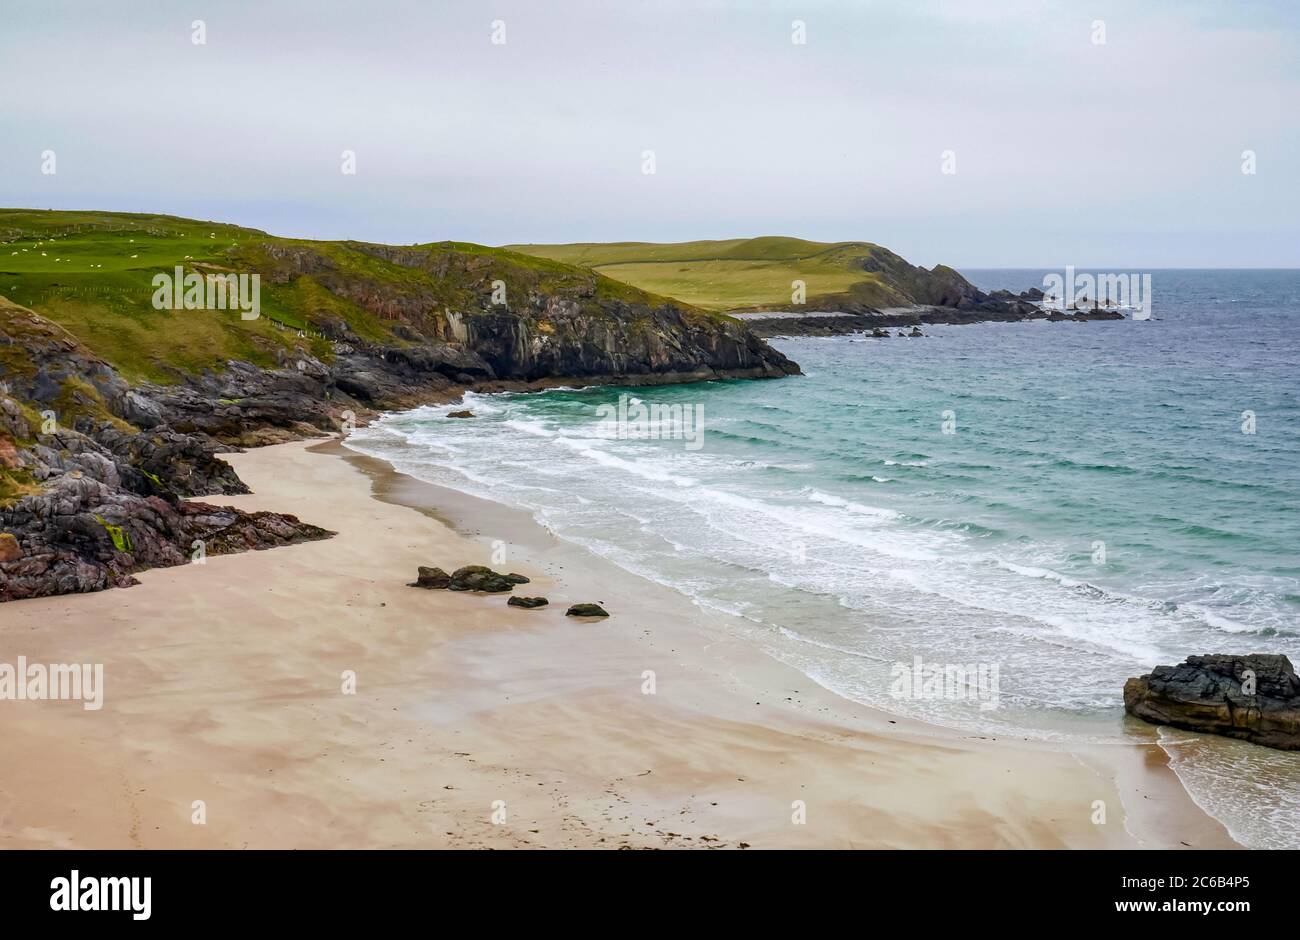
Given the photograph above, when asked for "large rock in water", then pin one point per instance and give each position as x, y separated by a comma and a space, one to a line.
1254, 697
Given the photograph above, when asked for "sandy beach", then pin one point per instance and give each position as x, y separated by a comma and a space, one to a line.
474, 724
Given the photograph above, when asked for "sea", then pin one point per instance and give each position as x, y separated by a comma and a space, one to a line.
988, 528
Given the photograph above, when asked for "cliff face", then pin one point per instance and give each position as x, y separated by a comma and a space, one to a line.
545, 320
114, 408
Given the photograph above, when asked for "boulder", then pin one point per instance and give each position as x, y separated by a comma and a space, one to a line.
460, 414
10, 550
480, 578
1254, 697
528, 602
431, 578
586, 610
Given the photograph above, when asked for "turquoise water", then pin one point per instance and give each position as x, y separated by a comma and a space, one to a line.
1095, 510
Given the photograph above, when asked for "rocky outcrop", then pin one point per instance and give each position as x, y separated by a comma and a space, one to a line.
82, 534
875, 323
1255, 698
624, 340
1001, 307
87, 497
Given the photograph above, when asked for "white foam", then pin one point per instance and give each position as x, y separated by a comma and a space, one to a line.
826, 499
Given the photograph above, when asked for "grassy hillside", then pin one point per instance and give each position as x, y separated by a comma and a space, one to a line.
91, 273
741, 273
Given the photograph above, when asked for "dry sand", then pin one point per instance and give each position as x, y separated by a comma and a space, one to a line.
224, 684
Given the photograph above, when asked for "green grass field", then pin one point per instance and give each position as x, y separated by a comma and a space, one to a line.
739, 273
92, 272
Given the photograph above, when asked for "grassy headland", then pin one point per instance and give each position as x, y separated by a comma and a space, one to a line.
757, 273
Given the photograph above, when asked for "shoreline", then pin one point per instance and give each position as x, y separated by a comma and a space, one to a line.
223, 685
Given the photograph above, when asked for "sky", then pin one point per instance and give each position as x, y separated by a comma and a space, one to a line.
1063, 149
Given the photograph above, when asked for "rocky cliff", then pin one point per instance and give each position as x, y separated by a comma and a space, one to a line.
86, 498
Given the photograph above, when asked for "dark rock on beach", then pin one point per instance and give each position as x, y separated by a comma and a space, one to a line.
82, 534
467, 578
431, 578
527, 602
586, 610
1254, 697
480, 578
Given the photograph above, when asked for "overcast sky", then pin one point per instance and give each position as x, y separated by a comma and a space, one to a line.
1122, 154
